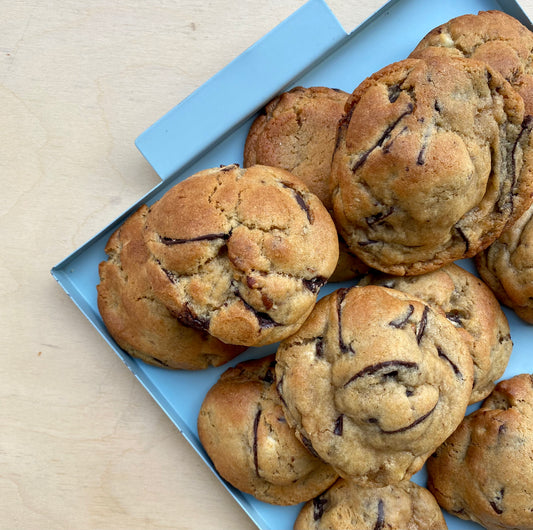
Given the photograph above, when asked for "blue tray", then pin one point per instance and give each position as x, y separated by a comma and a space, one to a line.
209, 128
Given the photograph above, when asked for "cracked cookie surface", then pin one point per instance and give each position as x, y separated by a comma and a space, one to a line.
296, 131
373, 382
403, 506
507, 266
137, 320
241, 253
494, 37
474, 310
432, 161
243, 430
484, 471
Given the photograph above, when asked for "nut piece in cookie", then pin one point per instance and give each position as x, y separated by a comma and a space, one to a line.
373, 382
241, 253
348, 506
494, 37
484, 471
507, 266
296, 131
140, 324
472, 307
433, 159
242, 428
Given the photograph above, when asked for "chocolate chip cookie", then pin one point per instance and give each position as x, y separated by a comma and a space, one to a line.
241, 253
494, 37
243, 430
507, 266
469, 304
347, 506
137, 320
433, 159
373, 382
296, 131
484, 471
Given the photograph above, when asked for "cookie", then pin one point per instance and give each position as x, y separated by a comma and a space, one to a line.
242, 428
494, 37
296, 131
241, 253
469, 304
484, 471
507, 266
373, 382
140, 324
433, 159
346, 506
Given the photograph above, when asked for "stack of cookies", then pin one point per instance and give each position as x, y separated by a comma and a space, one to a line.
428, 161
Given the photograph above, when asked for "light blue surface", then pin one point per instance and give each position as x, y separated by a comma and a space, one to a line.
209, 128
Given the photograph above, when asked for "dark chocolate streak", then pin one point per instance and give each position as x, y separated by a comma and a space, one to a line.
400, 322
411, 425
189, 319
315, 284
384, 136
309, 446
527, 125
341, 294
256, 426
455, 368
422, 325
497, 503
339, 425
394, 92
269, 375
264, 319
379, 217
278, 390
464, 238
320, 347
169, 241
374, 368
301, 201
380, 523
319, 504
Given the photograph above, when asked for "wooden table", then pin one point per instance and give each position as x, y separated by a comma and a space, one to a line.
82, 445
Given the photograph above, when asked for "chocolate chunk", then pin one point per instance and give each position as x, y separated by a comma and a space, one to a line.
380, 523
319, 504
256, 427
320, 347
394, 92
455, 368
264, 320
301, 201
455, 317
315, 284
339, 425
462, 235
422, 325
308, 445
497, 503
400, 322
379, 217
386, 365
189, 319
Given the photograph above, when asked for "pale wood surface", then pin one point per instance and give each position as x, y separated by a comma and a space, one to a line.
82, 445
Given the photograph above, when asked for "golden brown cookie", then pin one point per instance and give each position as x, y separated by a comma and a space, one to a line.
494, 37
242, 428
432, 161
374, 381
139, 323
472, 307
241, 253
507, 266
296, 131
484, 471
347, 506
